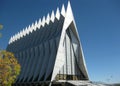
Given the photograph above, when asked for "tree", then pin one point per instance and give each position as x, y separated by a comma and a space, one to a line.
9, 68
1, 26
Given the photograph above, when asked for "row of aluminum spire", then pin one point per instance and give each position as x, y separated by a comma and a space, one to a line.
38, 24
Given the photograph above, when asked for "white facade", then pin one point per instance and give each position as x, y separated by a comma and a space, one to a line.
49, 48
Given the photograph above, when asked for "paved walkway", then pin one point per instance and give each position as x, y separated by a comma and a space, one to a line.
83, 83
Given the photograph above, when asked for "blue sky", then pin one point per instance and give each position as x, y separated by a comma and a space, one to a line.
98, 23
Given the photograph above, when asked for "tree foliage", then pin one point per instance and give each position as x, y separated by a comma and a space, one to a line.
1, 26
9, 68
